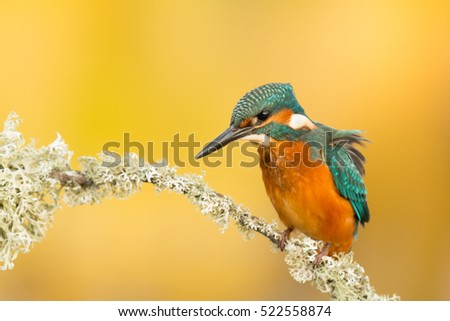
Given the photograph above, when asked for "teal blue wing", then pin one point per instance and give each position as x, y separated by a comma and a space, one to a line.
348, 179
346, 164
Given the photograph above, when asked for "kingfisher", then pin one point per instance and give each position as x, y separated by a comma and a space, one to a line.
312, 173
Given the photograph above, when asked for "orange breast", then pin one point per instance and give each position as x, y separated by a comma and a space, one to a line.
304, 195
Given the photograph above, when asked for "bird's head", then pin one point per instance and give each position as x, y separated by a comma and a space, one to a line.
273, 104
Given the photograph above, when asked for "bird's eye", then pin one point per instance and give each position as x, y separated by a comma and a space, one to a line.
262, 116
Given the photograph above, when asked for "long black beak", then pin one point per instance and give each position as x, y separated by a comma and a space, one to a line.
229, 135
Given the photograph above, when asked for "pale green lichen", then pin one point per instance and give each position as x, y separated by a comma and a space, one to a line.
33, 182
341, 277
28, 196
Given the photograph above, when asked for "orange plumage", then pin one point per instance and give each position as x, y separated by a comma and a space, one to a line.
305, 197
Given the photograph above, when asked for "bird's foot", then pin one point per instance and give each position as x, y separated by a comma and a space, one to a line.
321, 254
284, 237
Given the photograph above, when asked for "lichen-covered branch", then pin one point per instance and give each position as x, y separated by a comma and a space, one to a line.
34, 182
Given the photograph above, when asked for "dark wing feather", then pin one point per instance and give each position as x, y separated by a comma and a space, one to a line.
348, 142
348, 139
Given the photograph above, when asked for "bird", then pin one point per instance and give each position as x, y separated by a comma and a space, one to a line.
312, 173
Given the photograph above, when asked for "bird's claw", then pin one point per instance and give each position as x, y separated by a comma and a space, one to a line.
284, 237
321, 254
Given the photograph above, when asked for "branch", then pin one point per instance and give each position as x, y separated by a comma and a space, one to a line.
35, 182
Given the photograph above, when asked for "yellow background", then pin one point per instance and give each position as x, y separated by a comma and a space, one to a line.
93, 70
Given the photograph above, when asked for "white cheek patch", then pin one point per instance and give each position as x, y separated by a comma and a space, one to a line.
257, 138
298, 121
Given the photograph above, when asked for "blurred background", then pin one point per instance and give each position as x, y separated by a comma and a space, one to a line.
93, 71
